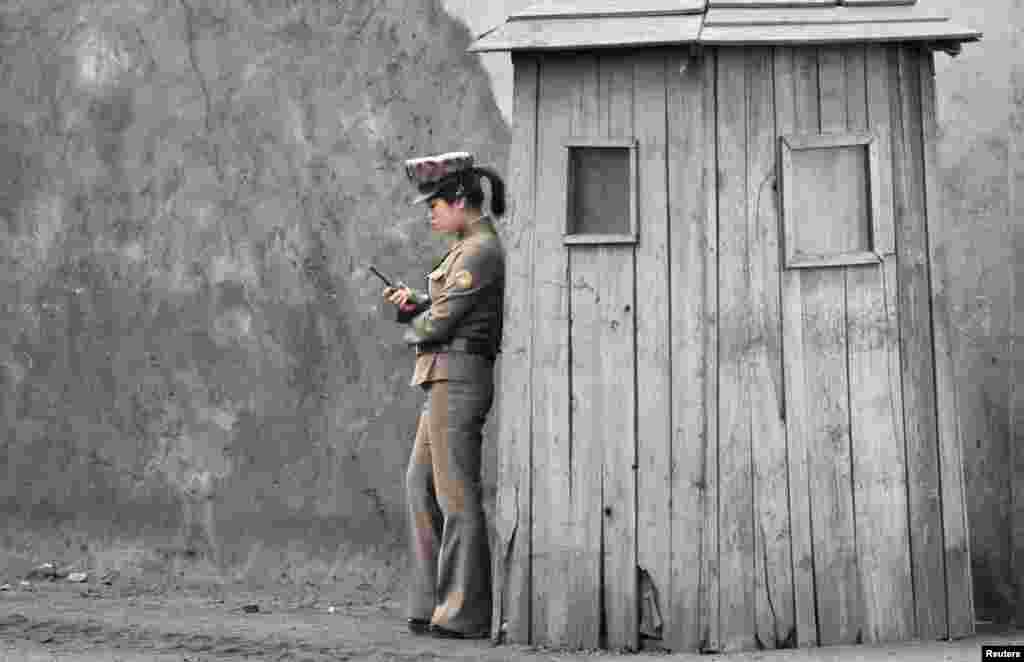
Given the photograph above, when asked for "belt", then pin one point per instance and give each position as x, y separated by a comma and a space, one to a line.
457, 345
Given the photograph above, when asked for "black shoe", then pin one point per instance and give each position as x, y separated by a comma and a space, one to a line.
445, 633
418, 625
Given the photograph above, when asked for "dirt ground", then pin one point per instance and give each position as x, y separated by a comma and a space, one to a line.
62, 622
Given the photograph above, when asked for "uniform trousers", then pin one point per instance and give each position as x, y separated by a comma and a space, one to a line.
451, 559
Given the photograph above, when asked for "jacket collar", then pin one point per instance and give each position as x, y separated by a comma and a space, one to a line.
483, 225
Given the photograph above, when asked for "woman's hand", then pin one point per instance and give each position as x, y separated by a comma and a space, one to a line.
400, 297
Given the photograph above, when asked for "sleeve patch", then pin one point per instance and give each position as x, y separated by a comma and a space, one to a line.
464, 280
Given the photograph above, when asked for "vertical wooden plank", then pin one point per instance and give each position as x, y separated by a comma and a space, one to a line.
1017, 406
588, 420
709, 592
773, 569
959, 589
879, 496
588, 426
1016, 437
1017, 379
796, 82
691, 172
836, 577
837, 580
738, 599
831, 89
916, 345
870, 417
618, 279
1017, 390
551, 445
879, 111
855, 71
879, 444
512, 579
653, 333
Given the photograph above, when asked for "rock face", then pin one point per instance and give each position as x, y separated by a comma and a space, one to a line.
193, 356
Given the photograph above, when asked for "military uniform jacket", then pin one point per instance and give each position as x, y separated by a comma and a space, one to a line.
464, 303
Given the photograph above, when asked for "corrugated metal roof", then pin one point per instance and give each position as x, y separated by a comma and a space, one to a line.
573, 25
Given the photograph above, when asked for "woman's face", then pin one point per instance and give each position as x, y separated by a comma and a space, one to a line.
447, 218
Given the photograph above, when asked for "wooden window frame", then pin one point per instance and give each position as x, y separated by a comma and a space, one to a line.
627, 143
795, 142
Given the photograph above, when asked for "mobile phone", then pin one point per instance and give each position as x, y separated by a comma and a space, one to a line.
378, 274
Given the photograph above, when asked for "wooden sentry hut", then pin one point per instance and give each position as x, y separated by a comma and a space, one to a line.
727, 412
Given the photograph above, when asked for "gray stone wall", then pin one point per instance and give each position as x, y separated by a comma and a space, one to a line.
195, 366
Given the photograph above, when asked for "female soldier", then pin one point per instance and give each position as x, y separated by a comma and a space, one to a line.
456, 327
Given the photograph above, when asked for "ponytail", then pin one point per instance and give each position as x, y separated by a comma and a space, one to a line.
466, 184
497, 189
